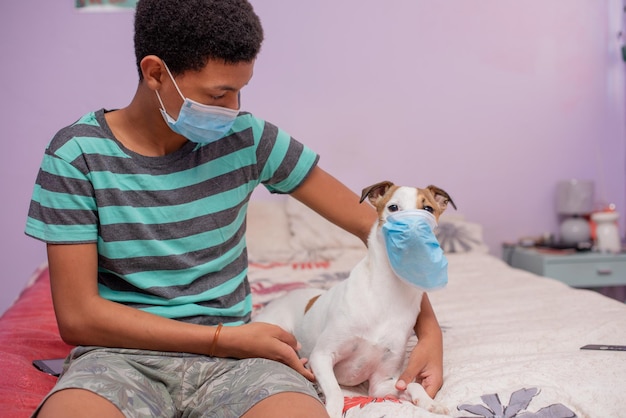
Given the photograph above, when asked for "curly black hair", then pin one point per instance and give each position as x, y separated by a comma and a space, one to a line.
187, 33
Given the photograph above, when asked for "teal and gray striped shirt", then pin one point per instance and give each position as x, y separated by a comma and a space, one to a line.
170, 230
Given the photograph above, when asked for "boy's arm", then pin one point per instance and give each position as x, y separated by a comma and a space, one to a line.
85, 318
426, 361
336, 202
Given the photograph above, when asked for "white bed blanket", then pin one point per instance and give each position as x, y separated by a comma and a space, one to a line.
511, 339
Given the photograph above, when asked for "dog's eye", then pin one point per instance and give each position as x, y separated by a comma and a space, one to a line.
429, 209
393, 208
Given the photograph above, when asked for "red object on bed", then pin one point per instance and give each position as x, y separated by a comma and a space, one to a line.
28, 331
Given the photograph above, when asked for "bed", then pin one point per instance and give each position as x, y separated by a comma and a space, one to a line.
511, 339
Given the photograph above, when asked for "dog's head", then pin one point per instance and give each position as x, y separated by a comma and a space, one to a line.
388, 198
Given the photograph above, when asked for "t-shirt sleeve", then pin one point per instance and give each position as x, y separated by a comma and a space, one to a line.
63, 208
285, 162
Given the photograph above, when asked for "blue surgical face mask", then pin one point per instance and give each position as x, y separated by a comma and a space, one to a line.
413, 250
198, 122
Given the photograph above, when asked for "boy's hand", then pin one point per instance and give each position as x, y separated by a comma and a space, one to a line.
259, 339
424, 367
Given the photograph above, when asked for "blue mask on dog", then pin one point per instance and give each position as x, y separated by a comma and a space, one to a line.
413, 250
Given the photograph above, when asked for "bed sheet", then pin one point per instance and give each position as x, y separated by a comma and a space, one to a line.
28, 331
511, 340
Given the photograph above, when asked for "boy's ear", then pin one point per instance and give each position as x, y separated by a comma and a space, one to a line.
153, 71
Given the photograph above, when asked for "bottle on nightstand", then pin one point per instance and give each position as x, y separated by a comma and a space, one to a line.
607, 232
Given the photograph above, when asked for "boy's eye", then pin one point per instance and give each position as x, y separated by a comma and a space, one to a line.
393, 208
429, 209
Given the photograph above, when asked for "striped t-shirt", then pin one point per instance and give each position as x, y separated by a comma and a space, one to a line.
170, 230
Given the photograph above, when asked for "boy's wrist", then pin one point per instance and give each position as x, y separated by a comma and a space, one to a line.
214, 342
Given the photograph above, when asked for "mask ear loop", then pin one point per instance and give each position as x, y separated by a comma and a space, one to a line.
175, 85
161, 102
173, 81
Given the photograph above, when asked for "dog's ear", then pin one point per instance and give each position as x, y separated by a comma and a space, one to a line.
375, 191
441, 197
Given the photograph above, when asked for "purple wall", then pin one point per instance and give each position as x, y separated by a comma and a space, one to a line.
493, 101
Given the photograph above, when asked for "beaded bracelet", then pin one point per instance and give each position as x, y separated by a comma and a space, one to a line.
215, 338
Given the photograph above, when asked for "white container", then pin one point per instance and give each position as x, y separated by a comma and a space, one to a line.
607, 233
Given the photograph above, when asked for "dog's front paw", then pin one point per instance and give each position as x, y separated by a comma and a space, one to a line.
420, 398
334, 406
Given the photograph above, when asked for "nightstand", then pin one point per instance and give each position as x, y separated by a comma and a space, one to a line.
577, 269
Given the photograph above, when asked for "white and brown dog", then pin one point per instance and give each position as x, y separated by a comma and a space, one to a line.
358, 330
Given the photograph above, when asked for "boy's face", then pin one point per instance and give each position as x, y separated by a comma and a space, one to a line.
217, 84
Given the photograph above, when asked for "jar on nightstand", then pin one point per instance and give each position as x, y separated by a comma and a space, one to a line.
607, 233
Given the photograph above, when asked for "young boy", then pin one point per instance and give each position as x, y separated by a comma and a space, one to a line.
143, 213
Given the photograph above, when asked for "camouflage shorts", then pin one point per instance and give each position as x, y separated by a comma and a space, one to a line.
156, 384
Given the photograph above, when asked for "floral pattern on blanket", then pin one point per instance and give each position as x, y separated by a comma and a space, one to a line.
269, 281
517, 407
361, 401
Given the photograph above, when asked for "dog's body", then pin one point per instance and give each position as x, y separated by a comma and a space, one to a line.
358, 330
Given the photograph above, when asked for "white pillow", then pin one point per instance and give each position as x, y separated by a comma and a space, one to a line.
456, 235
311, 232
267, 235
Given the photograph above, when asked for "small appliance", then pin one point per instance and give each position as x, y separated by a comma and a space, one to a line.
574, 202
